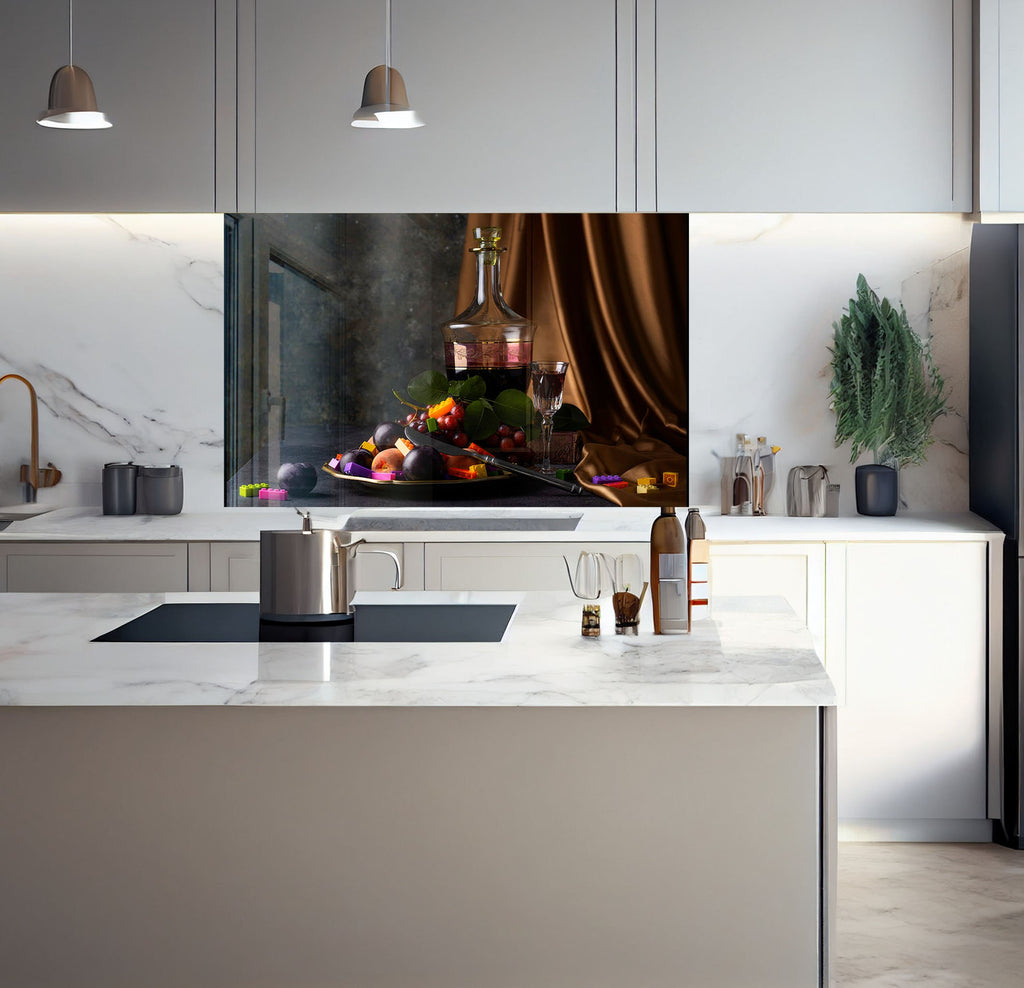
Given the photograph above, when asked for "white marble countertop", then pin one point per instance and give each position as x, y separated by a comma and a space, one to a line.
753, 652
605, 524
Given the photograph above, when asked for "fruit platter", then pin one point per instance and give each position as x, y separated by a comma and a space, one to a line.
456, 413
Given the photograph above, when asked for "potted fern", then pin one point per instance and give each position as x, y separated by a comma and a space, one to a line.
886, 393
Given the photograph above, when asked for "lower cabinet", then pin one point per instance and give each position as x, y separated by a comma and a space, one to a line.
235, 566
912, 749
513, 565
94, 567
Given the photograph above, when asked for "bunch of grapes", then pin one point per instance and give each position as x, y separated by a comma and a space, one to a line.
507, 437
449, 425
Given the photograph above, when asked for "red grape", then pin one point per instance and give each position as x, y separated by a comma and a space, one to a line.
520, 437
421, 426
423, 416
448, 423
410, 418
508, 442
492, 440
504, 430
460, 439
458, 412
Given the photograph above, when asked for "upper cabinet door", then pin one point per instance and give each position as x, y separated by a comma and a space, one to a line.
1000, 106
800, 105
518, 99
153, 69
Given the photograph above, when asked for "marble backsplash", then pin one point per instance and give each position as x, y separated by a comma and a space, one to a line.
764, 292
118, 322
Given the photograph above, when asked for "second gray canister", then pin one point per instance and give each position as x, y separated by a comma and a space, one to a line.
160, 490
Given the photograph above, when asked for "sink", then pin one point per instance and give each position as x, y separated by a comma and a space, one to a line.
240, 622
439, 520
18, 512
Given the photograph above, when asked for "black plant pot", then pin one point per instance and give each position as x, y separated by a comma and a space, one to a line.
878, 489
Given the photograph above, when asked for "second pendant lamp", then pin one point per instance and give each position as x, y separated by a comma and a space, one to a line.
72, 103
385, 102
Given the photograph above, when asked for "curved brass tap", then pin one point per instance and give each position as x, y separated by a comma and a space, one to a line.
30, 477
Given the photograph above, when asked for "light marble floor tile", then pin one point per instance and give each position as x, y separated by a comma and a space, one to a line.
942, 915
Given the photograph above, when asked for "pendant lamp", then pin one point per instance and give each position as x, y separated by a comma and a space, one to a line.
72, 104
385, 103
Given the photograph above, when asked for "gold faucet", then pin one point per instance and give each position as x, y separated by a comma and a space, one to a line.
30, 476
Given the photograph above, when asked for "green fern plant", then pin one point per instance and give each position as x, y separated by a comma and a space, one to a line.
886, 391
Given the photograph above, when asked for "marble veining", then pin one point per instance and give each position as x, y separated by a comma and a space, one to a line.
127, 357
745, 656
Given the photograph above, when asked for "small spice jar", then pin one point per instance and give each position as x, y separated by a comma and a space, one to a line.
591, 621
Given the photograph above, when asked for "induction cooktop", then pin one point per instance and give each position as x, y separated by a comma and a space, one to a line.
240, 622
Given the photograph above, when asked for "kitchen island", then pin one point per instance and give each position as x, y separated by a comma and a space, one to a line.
543, 810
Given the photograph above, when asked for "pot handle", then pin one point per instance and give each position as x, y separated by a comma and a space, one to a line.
398, 564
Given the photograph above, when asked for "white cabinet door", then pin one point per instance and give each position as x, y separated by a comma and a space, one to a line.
235, 566
912, 734
513, 565
518, 101
800, 105
1000, 105
95, 567
153, 69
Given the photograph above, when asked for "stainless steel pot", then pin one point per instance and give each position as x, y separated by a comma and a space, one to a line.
306, 573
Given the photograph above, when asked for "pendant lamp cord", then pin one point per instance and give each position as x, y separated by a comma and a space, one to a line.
387, 53
71, 32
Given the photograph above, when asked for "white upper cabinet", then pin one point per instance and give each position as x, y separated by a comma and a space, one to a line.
518, 99
1000, 106
804, 106
153, 69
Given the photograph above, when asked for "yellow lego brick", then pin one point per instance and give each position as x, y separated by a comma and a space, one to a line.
670, 478
647, 481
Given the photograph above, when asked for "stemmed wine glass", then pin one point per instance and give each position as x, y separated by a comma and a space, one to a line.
548, 380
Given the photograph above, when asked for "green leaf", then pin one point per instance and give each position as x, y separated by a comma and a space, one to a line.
480, 421
569, 418
428, 388
514, 408
468, 390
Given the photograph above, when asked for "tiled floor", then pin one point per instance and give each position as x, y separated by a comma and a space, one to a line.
940, 915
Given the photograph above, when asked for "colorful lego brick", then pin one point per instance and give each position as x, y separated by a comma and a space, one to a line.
645, 488
670, 478
250, 490
334, 462
474, 472
273, 494
386, 475
356, 470
369, 447
404, 445
647, 481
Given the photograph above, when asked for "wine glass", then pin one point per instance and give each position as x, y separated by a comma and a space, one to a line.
548, 380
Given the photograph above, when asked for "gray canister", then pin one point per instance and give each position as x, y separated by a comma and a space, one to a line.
119, 488
160, 490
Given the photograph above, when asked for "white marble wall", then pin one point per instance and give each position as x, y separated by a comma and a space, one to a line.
118, 322
764, 292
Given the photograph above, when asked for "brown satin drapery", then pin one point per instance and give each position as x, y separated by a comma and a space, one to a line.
608, 292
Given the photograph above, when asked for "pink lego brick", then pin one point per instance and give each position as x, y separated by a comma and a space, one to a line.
273, 494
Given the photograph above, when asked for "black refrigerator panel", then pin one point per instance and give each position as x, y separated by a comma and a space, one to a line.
995, 406
1007, 829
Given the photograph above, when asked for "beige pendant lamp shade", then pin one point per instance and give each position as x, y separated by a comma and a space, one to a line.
72, 103
385, 102
385, 105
